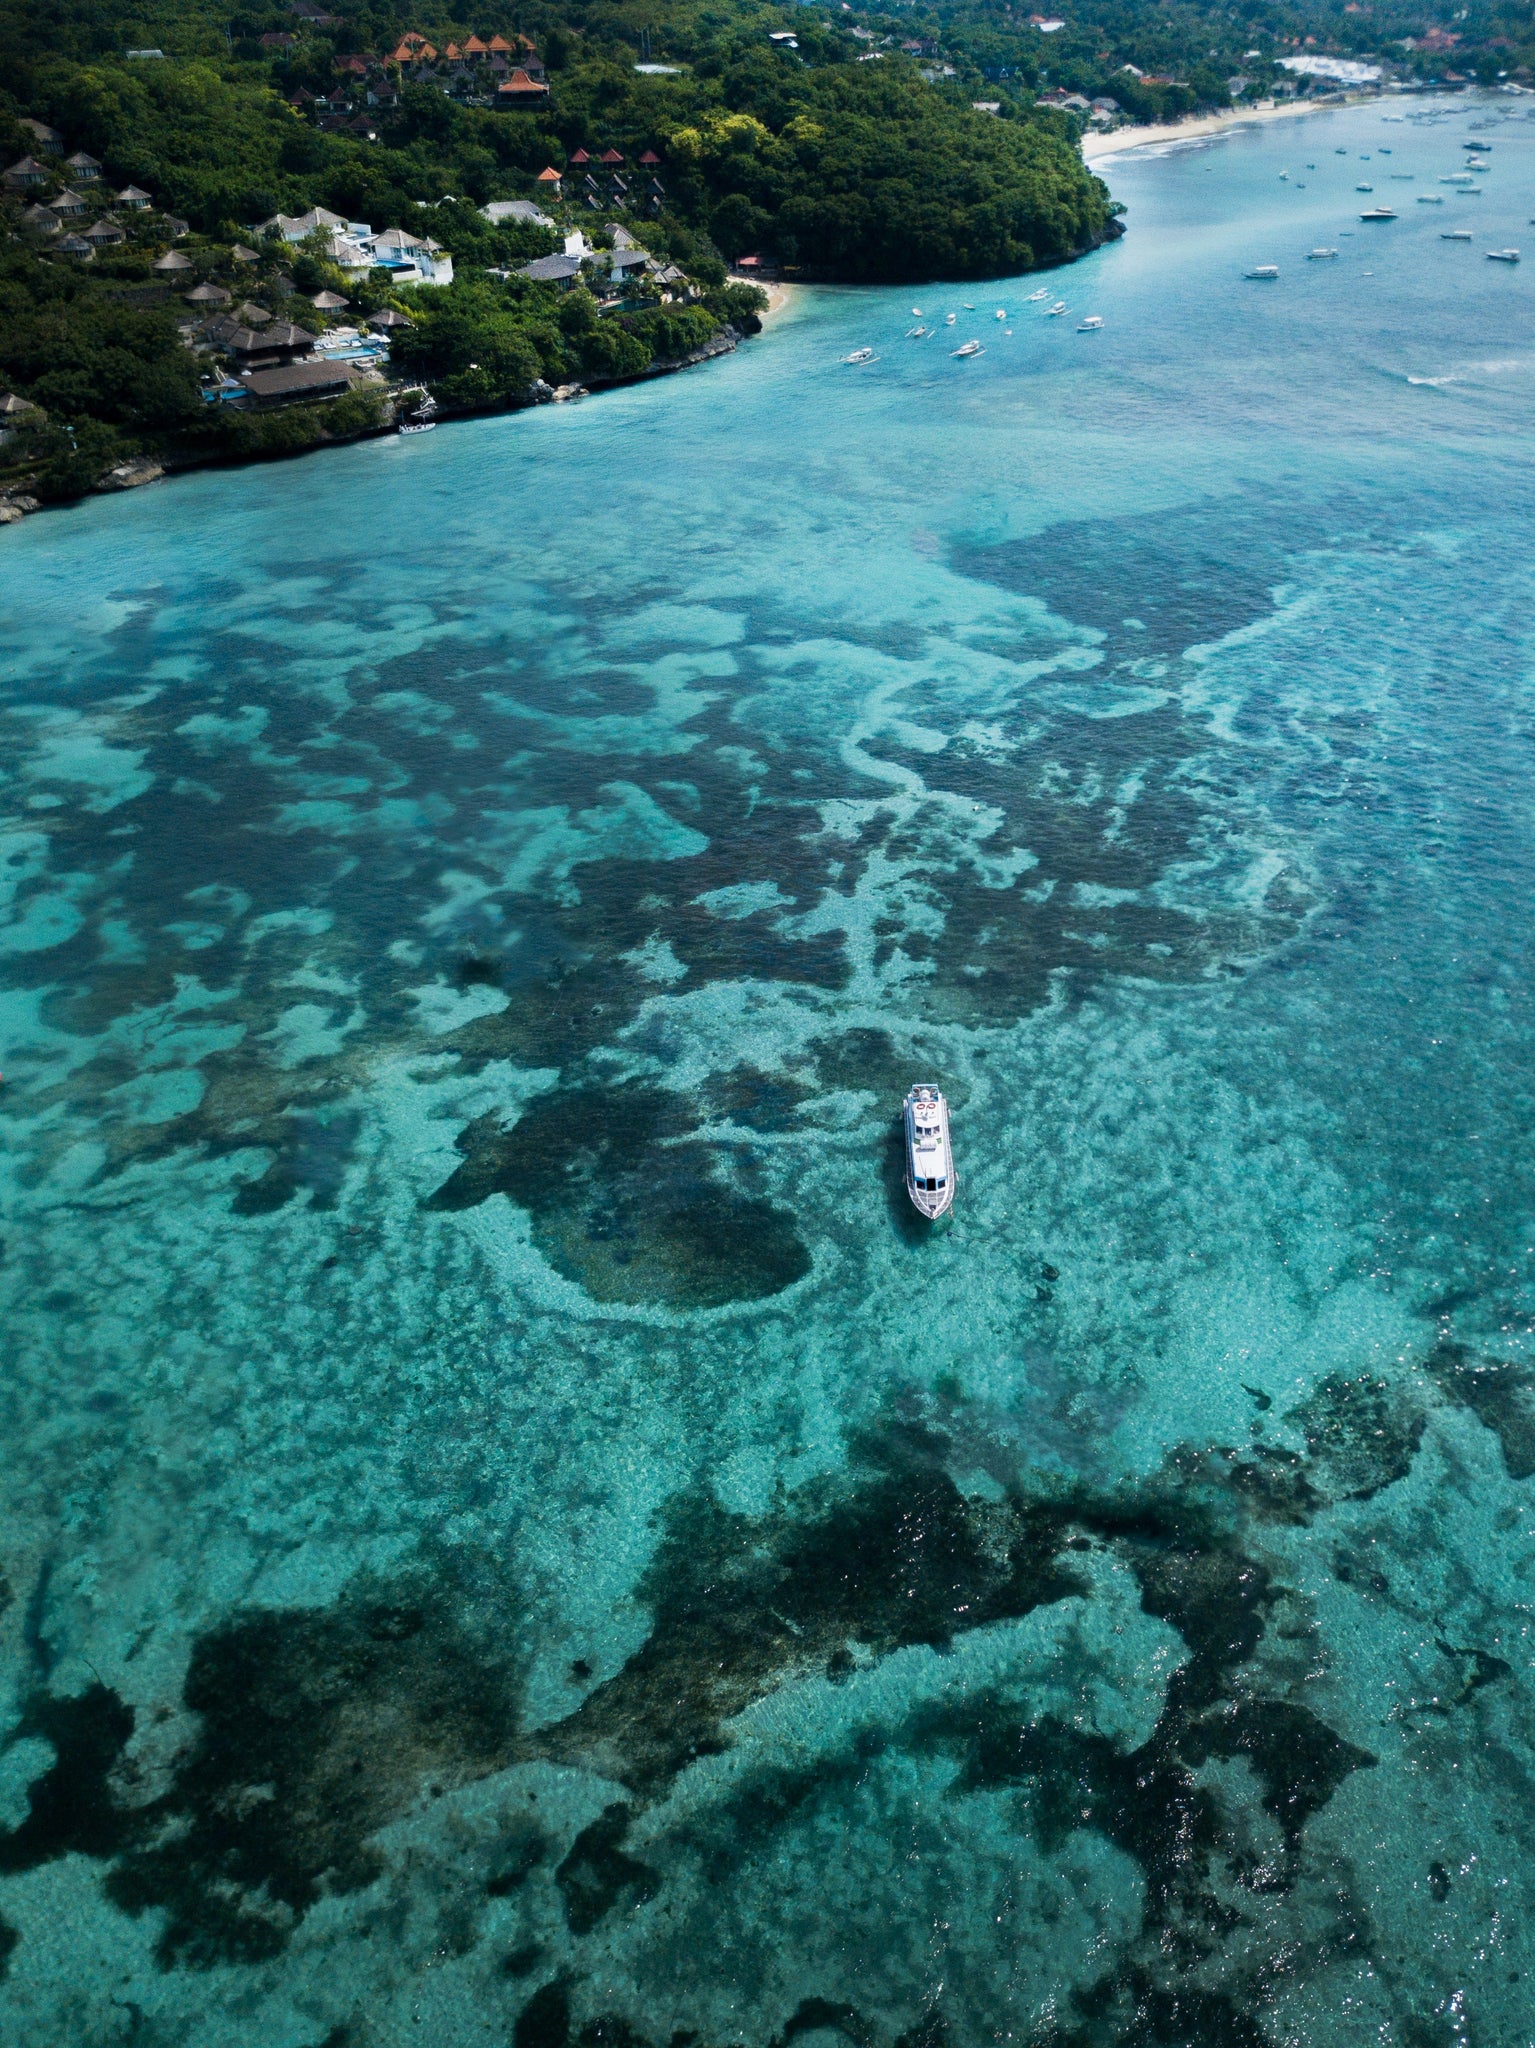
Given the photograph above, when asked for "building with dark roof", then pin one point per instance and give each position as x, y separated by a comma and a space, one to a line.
297, 380
561, 270
26, 175
82, 167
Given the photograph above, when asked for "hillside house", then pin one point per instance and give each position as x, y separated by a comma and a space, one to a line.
82, 168
27, 175
47, 139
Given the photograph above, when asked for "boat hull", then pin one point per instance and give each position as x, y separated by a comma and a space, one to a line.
930, 1176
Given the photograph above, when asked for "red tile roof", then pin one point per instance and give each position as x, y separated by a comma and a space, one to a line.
611, 156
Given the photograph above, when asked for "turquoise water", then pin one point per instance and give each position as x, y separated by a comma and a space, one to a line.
513, 1531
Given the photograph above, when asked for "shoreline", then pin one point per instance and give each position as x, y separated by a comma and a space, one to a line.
1195, 127
18, 503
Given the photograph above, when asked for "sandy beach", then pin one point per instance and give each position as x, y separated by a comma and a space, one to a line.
778, 295
1116, 140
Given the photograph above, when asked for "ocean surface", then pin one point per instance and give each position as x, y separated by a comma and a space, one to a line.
513, 1532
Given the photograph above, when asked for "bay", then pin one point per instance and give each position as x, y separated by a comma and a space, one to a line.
513, 1529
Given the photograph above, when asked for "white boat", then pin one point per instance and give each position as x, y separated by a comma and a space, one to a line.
1091, 324
1266, 271
1001, 314
967, 305
1457, 178
416, 427
1378, 213
949, 319
1502, 255
916, 312
915, 333
861, 355
968, 348
929, 1155
1057, 310
1320, 255
1456, 235
1034, 297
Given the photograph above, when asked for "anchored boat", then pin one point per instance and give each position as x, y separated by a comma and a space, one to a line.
929, 1156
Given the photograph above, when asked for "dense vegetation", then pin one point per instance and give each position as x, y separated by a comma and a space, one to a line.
856, 154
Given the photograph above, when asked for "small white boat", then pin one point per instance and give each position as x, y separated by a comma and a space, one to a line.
916, 312
1001, 313
1034, 297
967, 305
949, 319
416, 427
1057, 310
1456, 235
1378, 213
930, 1173
1457, 178
861, 355
1267, 271
1502, 255
915, 333
1320, 255
968, 348
1091, 324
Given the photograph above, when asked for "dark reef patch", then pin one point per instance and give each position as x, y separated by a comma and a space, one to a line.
70, 1810
627, 1202
1500, 1395
597, 1875
314, 1730
1152, 584
8, 1940
1361, 1433
740, 1605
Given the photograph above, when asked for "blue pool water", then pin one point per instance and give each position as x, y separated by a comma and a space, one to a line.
512, 1531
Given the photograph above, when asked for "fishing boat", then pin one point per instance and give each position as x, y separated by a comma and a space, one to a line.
1378, 213
861, 355
1266, 271
1502, 255
930, 1173
968, 348
1320, 255
1091, 324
